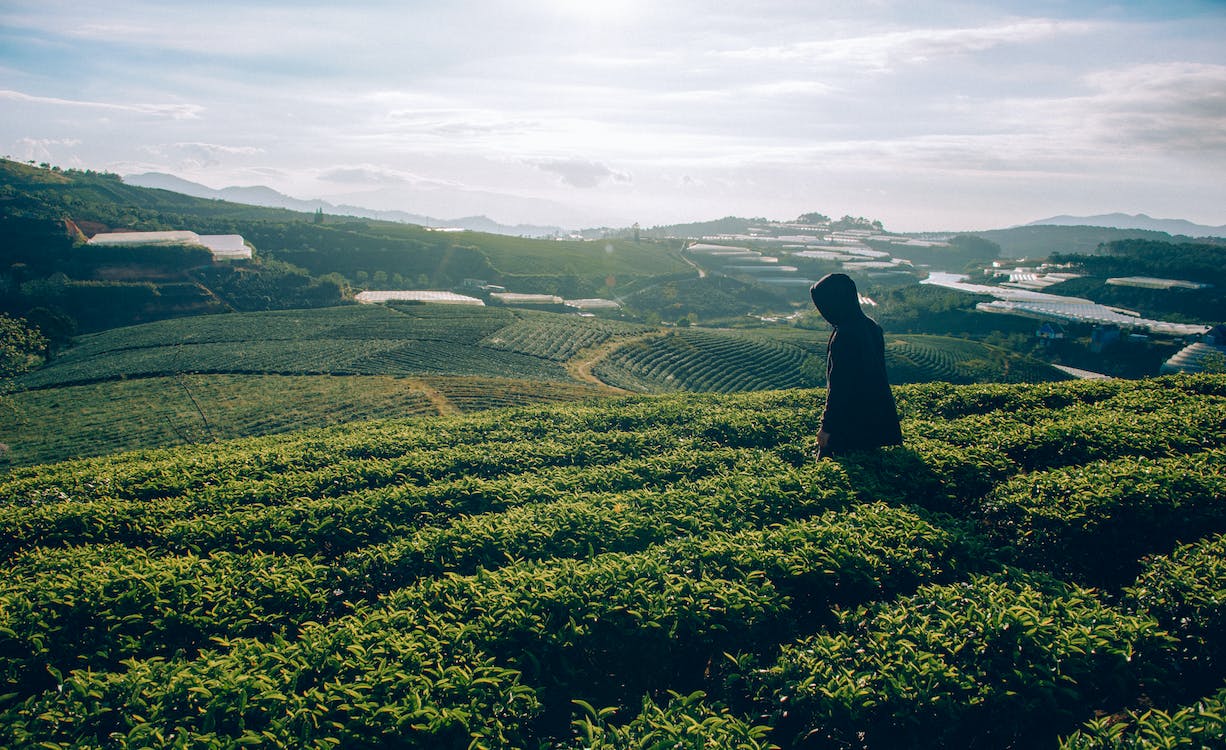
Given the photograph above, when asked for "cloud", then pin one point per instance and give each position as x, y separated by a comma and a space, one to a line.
169, 111
1176, 106
215, 149
580, 173
362, 176
880, 53
40, 149
199, 155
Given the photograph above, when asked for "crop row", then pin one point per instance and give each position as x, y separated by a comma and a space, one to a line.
1005, 660
333, 462
475, 580
1201, 725
358, 339
160, 602
329, 512
109, 417
556, 337
703, 361
429, 665
1093, 523
470, 394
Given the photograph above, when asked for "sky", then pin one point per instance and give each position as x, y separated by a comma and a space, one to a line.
927, 116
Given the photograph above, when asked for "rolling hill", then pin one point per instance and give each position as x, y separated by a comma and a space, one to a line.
203, 378
1039, 565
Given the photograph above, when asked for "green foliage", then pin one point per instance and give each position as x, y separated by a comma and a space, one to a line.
998, 661
21, 347
686, 722
1186, 592
1043, 240
734, 360
1194, 261
917, 359
1093, 522
489, 580
705, 360
1197, 262
556, 337
358, 340
962, 251
1201, 726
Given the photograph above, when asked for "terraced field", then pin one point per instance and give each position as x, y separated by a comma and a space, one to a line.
98, 419
920, 359
221, 376
725, 361
1039, 566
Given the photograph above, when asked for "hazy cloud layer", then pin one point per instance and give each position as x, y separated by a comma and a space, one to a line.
580, 173
931, 115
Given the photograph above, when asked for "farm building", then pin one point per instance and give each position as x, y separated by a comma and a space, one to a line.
546, 301
1050, 331
222, 246
1206, 355
417, 295
1149, 282
594, 303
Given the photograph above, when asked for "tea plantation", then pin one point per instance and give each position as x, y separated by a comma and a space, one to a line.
209, 377
1039, 566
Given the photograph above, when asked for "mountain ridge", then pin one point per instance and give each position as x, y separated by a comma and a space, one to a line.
1135, 221
262, 195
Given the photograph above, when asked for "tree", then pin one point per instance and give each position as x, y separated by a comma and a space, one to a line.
53, 323
813, 217
21, 347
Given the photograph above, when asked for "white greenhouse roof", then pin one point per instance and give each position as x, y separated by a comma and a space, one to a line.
417, 295
223, 246
1058, 307
146, 238
1149, 282
227, 246
593, 303
513, 298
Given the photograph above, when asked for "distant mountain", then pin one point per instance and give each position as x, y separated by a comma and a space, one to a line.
260, 195
1135, 221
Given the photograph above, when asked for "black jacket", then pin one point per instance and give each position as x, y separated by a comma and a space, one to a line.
860, 410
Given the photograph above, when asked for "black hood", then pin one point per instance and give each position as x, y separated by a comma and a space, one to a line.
836, 299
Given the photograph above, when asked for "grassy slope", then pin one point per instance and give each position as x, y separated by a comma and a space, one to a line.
234, 375
105, 199
607, 552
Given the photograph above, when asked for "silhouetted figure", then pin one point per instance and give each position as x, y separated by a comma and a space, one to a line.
860, 411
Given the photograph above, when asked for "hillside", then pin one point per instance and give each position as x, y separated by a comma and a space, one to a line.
1037, 564
1136, 221
263, 196
203, 378
301, 260
1033, 241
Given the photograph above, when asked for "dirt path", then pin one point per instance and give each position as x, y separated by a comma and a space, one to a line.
437, 400
580, 366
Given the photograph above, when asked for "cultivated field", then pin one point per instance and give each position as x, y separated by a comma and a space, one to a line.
1039, 564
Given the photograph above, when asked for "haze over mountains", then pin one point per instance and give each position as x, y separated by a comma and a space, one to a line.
1135, 221
259, 195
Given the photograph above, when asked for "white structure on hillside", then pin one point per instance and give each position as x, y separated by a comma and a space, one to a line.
1149, 282
417, 295
222, 246
534, 300
1208, 354
1058, 307
593, 303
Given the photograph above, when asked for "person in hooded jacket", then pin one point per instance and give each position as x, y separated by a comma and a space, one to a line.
860, 412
